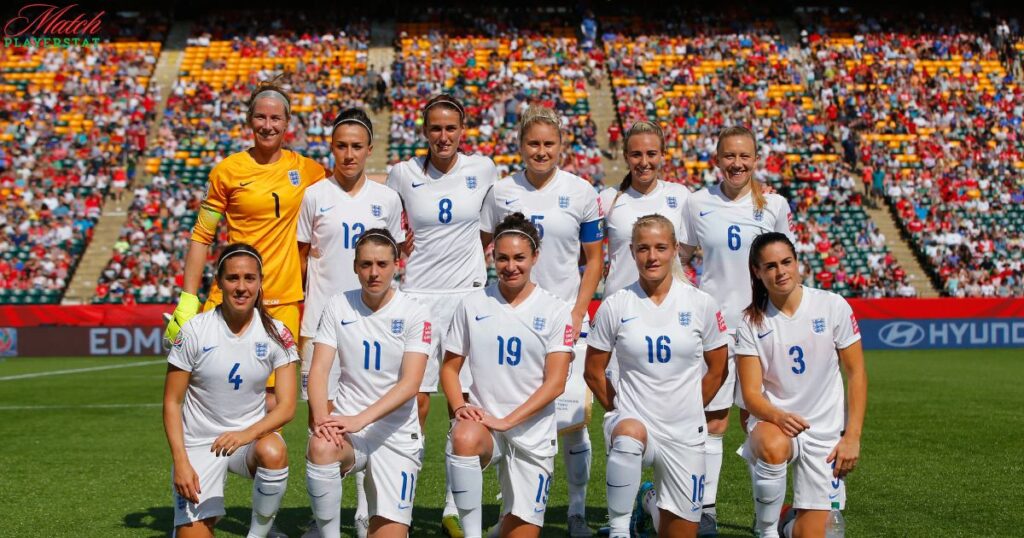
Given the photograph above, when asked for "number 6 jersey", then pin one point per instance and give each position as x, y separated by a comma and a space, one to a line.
227, 390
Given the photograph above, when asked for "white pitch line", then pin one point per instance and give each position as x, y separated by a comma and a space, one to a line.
83, 406
80, 370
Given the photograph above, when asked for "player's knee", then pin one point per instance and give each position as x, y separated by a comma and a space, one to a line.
718, 421
631, 428
772, 446
201, 528
468, 438
271, 452
321, 451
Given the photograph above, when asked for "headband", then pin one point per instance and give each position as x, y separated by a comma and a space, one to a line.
354, 120
274, 94
386, 238
514, 231
259, 262
448, 101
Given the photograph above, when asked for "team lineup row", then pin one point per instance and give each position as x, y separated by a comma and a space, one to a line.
372, 354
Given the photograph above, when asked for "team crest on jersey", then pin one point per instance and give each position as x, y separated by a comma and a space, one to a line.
684, 318
376, 210
539, 323
563, 202
397, 326
293, 176
672, 202
262, 349
470, 182
758, 214
818, 325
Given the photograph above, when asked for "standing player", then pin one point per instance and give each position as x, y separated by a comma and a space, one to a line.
335, 213
564, 209
259, 190
723, 219
664, 333
214, 405
382, 339
443, 194
517, 339
789, 348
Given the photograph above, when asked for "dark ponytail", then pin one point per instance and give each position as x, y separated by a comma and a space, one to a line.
244, 249
759, 293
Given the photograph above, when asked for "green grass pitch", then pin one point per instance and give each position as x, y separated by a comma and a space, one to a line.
84, 454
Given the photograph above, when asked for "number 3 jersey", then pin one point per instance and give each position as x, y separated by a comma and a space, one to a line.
799, 362
660, 349
444, 216
370, 347
506, 348
331, 221
227, 390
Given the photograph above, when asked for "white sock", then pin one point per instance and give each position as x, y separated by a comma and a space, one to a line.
577, 467
467, 483
787, 530
769, 493
361, 509
323, 482
623, 480
268, 489
650, 502
712, 470
449, 500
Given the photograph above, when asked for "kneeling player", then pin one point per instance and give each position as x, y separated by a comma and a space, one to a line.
214, 404
663, 332
382, 338
792, 341
516, 339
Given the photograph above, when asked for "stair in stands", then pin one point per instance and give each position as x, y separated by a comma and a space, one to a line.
901, 250
381, 55
602, 111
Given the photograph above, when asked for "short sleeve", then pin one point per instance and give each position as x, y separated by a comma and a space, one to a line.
845, 330
604, 201
745, 344
419, 334
716, 332
489, 212
457, 340
591, 225
216, 193
394, 217
687, 228
603, 329
290, 352
185, 349
314, 171
784, 224
304, 231
326, 329
394, 181
560, 338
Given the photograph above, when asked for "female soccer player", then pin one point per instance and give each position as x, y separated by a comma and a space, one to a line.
214, 405
517, 339
335, 214
382, 339
723, 219
563, 207
664, 333
642, 192
260, 191
443, 194
789, 348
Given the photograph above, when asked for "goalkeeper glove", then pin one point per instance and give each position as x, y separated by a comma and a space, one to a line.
188, 305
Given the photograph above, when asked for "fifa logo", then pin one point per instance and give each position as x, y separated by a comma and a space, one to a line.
563, 202
397, 326
376, 210
539, 323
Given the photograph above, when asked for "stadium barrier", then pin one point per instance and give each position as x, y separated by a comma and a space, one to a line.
117, 330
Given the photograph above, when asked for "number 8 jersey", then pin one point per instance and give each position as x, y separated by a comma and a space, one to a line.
660, 349
227, 390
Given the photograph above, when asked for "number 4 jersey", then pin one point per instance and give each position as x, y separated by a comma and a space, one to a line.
227, 390
799, 362
444, 216
660, 349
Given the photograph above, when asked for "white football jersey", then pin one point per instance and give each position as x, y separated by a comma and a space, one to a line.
660, 351
228, 387
724, 229
666, 199
331, 221
565, 213
443, 211
799, 359
370, 348
506, 348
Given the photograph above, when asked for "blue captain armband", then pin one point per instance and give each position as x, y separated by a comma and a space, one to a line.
591, 231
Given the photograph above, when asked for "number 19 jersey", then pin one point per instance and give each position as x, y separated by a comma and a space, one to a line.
660, 350
227, 390
506, 348
444, 215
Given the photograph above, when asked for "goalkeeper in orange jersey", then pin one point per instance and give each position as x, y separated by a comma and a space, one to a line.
259, 191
